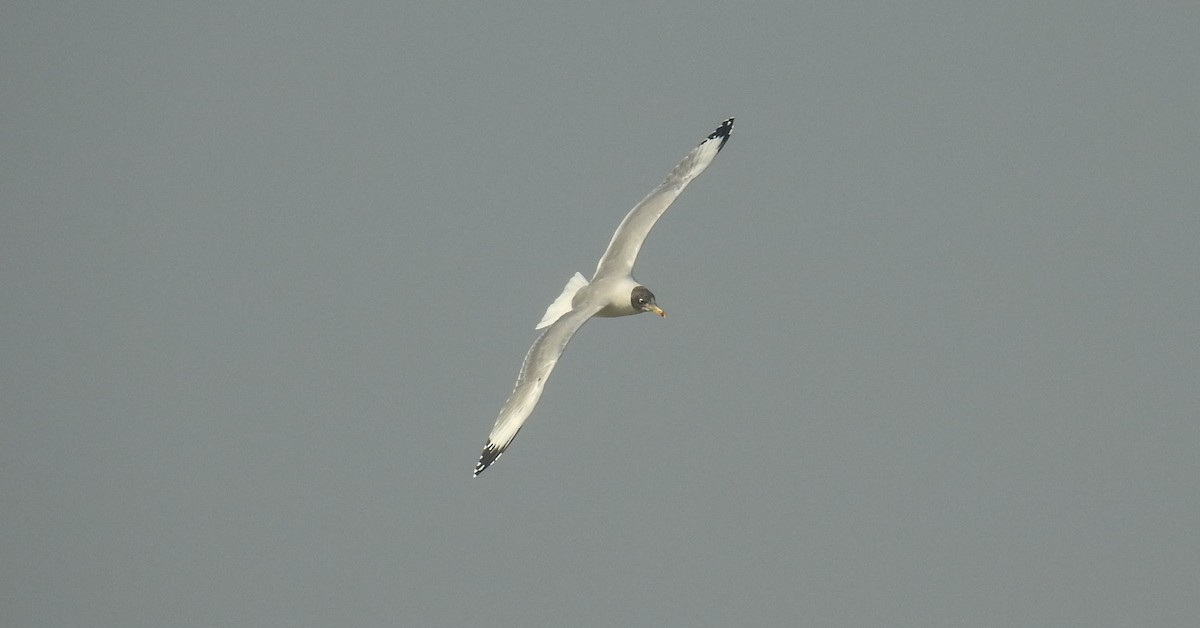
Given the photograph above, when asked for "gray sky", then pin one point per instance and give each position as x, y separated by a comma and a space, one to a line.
268, 274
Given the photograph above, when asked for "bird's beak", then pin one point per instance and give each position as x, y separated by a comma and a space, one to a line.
658, 310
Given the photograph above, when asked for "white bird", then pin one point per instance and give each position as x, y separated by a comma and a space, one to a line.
612, 292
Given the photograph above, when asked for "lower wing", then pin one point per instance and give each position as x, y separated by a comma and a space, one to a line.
535, 371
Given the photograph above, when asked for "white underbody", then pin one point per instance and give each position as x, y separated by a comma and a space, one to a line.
615, 293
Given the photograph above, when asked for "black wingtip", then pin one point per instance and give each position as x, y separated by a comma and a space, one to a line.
490, 453
722, 133
723, 130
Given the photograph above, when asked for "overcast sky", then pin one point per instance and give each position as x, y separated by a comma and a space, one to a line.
269, 269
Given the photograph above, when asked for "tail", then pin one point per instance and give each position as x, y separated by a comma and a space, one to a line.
562, 304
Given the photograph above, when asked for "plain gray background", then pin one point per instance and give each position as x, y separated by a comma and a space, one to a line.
269, 270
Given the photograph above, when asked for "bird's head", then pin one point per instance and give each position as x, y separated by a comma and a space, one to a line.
642, 299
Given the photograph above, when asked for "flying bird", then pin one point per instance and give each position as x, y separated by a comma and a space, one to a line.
612, 291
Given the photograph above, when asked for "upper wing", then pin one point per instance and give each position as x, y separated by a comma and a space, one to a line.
627, 241
539, 362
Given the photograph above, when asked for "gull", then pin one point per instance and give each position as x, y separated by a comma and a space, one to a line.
612, 291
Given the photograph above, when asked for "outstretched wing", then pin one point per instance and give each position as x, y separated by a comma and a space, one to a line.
627, 241
539, 362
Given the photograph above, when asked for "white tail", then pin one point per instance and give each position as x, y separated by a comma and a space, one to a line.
562, 304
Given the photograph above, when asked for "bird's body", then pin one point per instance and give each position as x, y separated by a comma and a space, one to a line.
611, 292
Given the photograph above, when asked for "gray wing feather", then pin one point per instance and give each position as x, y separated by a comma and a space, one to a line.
623, 249
535, 371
